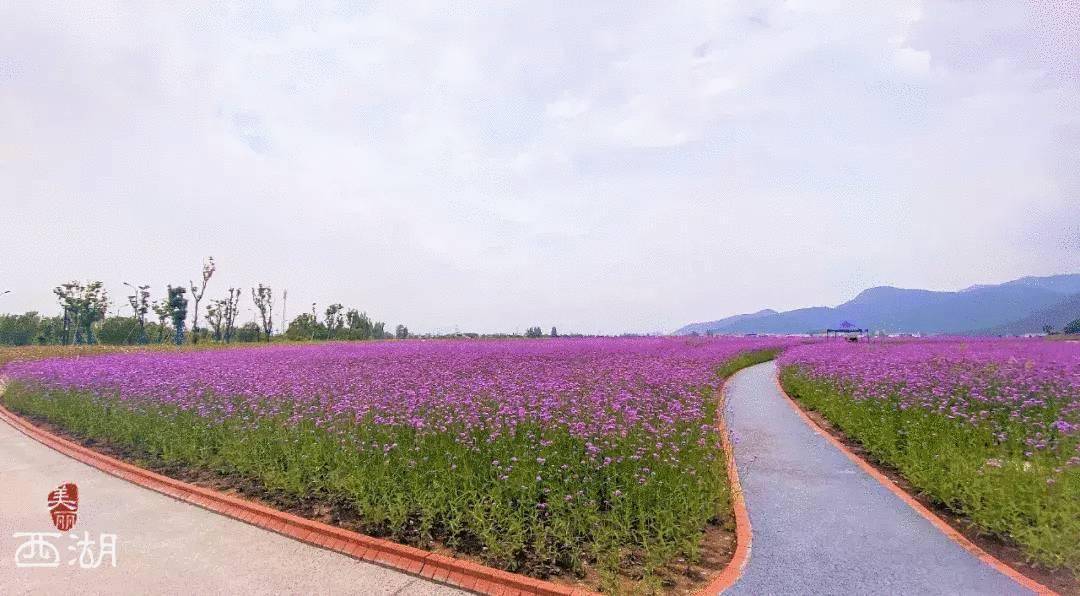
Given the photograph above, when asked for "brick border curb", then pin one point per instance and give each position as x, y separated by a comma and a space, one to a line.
438, 568
918, 507
451, 571
743, 532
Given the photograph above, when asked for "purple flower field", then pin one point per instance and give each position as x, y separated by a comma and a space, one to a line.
593, 387
539, 456
1012, 386
988, 427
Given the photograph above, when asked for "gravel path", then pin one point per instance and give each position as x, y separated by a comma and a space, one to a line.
823, 526
164, 546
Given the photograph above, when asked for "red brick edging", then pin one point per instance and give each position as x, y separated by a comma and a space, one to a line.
743, 533
414, 561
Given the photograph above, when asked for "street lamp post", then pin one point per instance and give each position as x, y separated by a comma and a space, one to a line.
133, 289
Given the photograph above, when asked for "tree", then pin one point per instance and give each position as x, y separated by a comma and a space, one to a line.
197, 293
161, 309
554, 331
178, 311
360, 325
84, 305
248, 332
94, 303
232, 309
49, 330
401, 332
20, 330
65, 293
1048, 329
303, 328
215, 317
120, 331
334, 319
264, 301
1072, 328
140, 303
534, 332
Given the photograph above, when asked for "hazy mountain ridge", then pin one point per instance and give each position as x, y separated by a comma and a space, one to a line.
1057, 316
1020, 306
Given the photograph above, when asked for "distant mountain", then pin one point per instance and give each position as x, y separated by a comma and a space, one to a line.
982, 308
1062, 284
1057, 316
704, 327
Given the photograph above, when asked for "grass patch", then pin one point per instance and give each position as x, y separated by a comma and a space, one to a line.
745, 360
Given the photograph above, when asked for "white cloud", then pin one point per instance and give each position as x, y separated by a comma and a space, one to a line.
495, 169
567, 108
912, 60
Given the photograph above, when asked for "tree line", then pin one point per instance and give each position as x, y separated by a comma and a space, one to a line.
84, 318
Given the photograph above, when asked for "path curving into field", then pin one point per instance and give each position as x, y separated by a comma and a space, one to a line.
821, 525
164, 546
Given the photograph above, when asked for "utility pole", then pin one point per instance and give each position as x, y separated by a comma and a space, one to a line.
284, 309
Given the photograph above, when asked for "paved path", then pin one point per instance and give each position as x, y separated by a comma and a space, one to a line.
164, 546
823, 526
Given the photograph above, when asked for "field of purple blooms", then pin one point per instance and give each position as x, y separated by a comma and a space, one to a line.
537, 456
988, 428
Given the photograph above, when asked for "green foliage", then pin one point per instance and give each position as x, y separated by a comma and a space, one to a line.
334, 320
177, 306
263, 297
215, 317
140, 304
744, 360
534, 332
1033, 501
352, 325
360, 325
1072, 328
554, 331
230, 309
162, 311
305, 328
118, 331
50, 331
20, 330
158, 333
197, 293
248, 332
83, 305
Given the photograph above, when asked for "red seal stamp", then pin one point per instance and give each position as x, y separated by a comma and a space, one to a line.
64, 506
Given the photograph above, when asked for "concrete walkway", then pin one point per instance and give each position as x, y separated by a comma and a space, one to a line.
823, 526
164, 546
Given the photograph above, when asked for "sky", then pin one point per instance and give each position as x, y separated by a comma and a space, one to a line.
601, 167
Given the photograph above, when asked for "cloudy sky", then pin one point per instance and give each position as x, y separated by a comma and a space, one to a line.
597, 166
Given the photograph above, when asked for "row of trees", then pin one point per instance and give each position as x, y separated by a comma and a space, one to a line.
1072, 328
339, 323
85, 305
